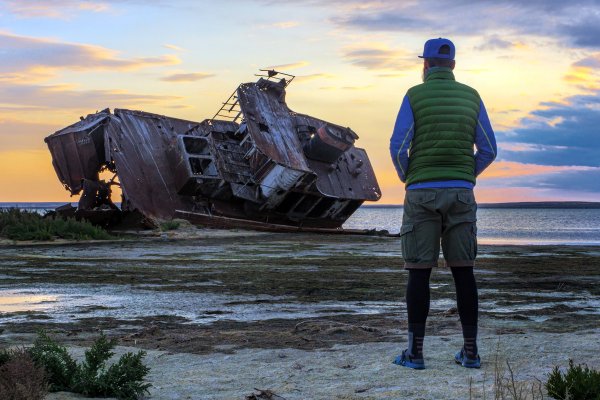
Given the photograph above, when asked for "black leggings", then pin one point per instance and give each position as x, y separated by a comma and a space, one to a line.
417, 295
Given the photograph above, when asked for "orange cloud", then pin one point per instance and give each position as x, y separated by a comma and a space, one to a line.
285, 67
64, 97
23, 55
584, 73
286, 24
174, 47
376, 56
310, 77
61, 9
189, 77
585, 77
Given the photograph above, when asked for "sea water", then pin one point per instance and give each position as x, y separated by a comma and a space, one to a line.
525, 226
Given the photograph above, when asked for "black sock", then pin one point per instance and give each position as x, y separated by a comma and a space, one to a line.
468, 307
416, 337
470, 340
417, 306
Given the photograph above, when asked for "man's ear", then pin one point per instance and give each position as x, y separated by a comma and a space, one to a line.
453, 64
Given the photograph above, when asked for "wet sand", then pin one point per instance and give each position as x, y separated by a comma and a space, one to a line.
213, 305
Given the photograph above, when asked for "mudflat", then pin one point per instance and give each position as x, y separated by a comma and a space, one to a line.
306, 316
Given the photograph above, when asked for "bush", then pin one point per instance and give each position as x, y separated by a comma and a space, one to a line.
123, 380
55, 360
578, 383
17, 224
169, 225
20, 378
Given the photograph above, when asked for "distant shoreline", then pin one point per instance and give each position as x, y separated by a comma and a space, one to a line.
516, 205
527, 205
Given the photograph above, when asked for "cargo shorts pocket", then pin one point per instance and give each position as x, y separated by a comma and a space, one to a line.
409, 243
466, 203
419, 196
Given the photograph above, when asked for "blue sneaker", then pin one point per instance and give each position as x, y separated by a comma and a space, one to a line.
407, 361
462, 359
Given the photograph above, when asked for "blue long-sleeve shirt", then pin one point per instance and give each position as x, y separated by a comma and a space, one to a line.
404, 130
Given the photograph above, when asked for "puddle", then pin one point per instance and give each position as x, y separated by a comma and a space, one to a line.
68, 303
11, 302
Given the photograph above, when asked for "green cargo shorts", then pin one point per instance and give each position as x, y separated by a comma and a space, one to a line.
448, 215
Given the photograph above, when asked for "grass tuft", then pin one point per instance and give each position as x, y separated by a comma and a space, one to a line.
169, 225
578, 383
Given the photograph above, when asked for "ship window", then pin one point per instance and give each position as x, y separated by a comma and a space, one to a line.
195, 145
199, 165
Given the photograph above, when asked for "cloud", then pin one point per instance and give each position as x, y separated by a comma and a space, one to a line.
286, 24
583, 32
576, 22
584, 181
174, 47
560, 134
495, 42
561, 183
584, 73
24, 55
396, 20
60, 9
285, 67
378, 57
310, 77
189, 77
592, 61
511, 169
352, 88
60, 96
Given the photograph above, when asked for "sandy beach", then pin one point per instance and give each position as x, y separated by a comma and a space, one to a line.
306, 316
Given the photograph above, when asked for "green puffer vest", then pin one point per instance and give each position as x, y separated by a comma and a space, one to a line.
445, 114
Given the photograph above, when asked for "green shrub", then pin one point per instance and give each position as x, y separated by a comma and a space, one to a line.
578, 383
20, 378
17, 224
55, 359
169, 225
123, 380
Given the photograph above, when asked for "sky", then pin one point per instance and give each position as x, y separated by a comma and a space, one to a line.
536, 65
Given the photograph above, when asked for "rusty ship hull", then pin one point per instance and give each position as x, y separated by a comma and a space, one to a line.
255, 164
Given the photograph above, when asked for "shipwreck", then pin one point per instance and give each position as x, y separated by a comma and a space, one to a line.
256, 164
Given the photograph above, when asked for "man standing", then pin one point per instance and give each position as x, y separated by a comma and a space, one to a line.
439, 123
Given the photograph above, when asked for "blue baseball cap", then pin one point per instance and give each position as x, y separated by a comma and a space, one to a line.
439, 48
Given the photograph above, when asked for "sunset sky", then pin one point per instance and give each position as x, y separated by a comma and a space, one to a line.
535, 63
